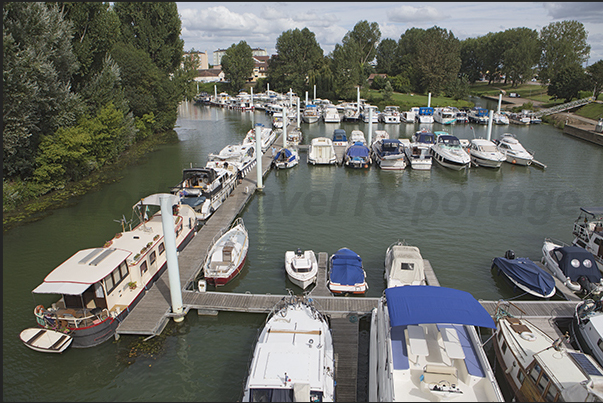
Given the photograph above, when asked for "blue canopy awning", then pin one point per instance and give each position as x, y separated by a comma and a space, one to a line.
358, 150
415, 304
346, 268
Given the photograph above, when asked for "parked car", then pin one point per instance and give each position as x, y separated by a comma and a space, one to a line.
514, 95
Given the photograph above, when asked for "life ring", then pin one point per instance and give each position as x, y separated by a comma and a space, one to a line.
38, 310
529, 336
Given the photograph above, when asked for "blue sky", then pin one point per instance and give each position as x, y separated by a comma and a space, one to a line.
208, 26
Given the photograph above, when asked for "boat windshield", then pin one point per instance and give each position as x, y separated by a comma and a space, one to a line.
488, 148
271, 395
450, 141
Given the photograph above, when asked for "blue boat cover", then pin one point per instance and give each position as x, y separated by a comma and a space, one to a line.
576, 262
346, 268
526, 272
339, 135
416, 304
281, 151
425, 110
358, 150
425, 137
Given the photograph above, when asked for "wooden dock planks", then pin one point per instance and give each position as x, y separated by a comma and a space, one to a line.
345, 346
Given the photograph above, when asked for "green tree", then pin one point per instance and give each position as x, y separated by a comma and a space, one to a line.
387, 91
345, 69
595, 73
37, 66
568, 82
438, 60
386, 56
563, 44
363, 41
96, 29
299, 59
521, 54
472, 64
237, 65
459, 88
408, 49
492, 49
154, 27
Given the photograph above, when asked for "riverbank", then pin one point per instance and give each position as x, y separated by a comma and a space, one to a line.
39, 207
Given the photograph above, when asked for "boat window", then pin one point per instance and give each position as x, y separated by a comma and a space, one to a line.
535, 372
544, 381
143, 267
504, 347
500, 335
520, 376
109, 284
407, 266
123, 268
600, 344
161, 248
551, 394
152, 257
557, 255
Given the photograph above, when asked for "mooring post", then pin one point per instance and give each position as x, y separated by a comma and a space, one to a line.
499, 102
167, 221
370, 128
490, 118
298, 117
258, 156
429, 100
252, 108
285, 127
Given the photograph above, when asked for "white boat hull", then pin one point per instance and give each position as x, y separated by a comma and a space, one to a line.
45, 340
301, 270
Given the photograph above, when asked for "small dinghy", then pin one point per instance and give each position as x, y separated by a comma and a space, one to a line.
525, 275
45, 340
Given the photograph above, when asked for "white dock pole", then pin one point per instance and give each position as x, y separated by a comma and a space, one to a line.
306, 98
429, 100
267, 87
370, 128
216, 92
358, 98
167, 221
285, 127
252, 108
298, 114
258, 156
499, 102
490, 116
290, 97
314, 91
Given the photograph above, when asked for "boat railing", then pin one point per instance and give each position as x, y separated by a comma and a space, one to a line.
72, 318
581, 231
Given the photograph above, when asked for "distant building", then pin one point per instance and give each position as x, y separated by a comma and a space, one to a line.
260, 68
201, 57
372, 77
210, 75
221, 52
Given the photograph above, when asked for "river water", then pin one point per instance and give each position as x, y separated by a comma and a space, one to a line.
459, 220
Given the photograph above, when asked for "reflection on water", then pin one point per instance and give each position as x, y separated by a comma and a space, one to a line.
459, 220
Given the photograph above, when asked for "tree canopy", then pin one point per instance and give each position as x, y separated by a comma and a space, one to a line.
563, 44
237, 65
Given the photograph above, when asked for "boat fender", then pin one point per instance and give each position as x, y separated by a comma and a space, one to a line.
39, 310
528, 336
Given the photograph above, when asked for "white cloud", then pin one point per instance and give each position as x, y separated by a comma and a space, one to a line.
415, 14
584, 12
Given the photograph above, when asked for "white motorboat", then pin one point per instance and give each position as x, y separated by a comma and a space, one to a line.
424, 114
293, 356
238, 156
346, 273
226, 255
513, 150
418, 151
408, 117
267, 136
424, 347
277, 120
331, 115
311, 114
340, 139
205, 189
448, 152
461, 116
588, 232
364, 115
301, 267
389, 154
484, 153
286, 158
294, 135
573, 266
587, 328
444, 116
45, 340
391, 114
99, 287
500, 118
404, 266
351, 112
321, 152
540, 369
357, 136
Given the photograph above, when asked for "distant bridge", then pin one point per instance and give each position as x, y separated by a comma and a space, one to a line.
564, 107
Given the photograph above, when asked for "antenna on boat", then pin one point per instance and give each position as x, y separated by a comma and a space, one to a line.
123, 222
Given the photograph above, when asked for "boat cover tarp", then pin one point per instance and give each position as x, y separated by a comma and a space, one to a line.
358, 150
571, 253
594, 211
286, 151
425, 138
526, 272
426, 110
416, 304
339, 135
346, 268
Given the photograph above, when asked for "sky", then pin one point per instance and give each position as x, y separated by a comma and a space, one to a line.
209, 26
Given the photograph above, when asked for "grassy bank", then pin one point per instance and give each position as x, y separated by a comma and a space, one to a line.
406, 101
21, 204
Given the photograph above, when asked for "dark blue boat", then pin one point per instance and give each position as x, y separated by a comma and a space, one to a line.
526, 275
357, 156
346, 274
